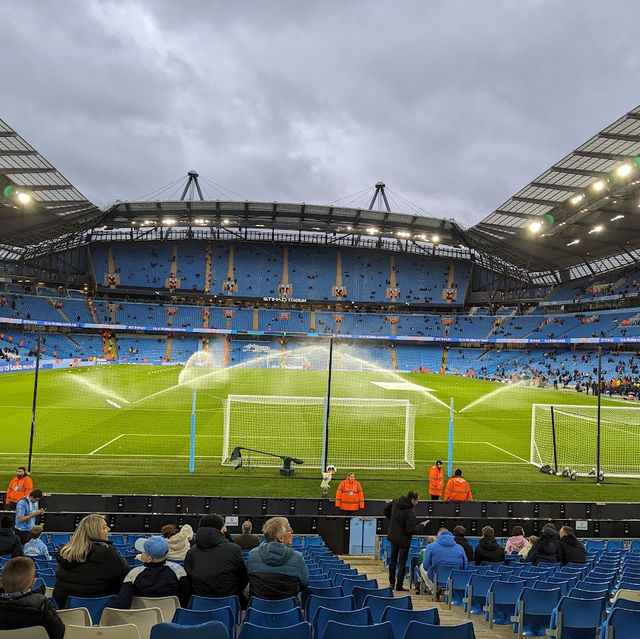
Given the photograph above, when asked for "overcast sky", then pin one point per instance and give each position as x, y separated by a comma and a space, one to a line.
455, 104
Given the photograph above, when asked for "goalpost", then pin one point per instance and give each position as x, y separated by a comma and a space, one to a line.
362, 433
568, 435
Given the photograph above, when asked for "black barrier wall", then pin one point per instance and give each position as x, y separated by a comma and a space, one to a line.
148, 513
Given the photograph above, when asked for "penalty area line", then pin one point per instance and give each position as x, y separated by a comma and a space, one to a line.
526, 461
109, 442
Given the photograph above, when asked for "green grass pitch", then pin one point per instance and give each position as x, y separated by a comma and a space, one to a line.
126, 428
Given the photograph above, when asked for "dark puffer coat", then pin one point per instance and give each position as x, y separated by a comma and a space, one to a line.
215, 565
546, 548
488, 549
99, 575
276, 571
402, 521
571, 549
29, 609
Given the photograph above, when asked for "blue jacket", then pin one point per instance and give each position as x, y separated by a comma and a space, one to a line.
444, 551
276, 571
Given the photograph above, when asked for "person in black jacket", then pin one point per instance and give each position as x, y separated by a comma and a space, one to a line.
21, 607
88, 565
214, 564
402, 526
488, 549
156, 577
571, 549
459, 533
546, 547
10, 543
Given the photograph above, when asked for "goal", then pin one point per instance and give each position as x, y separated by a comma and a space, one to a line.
575, 431
362, 433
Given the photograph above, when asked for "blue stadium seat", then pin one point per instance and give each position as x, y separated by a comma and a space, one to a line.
379, 604
337, 630
273, 619
95, 605
333, 603
502, 599
187, 617
360, 594
417, 630
400, 618
322, 616
299, 631
272, 605
533, 611
209, 630
198, 602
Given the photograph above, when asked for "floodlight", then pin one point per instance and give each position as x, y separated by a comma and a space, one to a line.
573, 242
534, 227
623, 170
403, 234
616, 218
168, 221
435, 239
24, 198
596, 229
598, 186
372, 230
576, 199
225, 221
422, 237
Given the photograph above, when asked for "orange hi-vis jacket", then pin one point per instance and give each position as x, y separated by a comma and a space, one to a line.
19, 488
349, 495
436, 481
458, 489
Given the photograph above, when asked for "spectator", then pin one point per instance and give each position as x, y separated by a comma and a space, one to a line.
179, 540
88, 564
21, 607
349, 495
546, 547
436, 480
402, 526
443, 552
20, 486
156, 577
246, 540
459, 533
516, 542
276, 571
488, 549
215, 564
35, 547
571, 549
27, 509
527, 547
10, 543
457, 488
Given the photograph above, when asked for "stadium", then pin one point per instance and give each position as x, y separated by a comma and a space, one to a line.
171, 358
166, 333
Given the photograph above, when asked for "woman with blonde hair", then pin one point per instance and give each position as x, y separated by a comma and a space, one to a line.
88, 565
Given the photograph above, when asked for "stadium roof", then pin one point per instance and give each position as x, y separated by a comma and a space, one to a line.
587, 205
55, 208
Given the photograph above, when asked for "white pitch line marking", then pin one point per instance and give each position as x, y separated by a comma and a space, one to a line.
109, 442
526, 461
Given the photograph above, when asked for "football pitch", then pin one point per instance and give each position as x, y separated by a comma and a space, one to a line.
127, 428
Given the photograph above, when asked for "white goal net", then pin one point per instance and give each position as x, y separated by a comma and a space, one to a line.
362, 433
576, 438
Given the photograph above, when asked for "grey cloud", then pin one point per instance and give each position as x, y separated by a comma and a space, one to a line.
456, 104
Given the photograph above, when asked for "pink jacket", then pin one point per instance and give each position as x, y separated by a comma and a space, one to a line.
515, 544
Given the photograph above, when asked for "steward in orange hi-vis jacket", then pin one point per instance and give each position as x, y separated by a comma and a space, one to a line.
20, 486
436, 480
457, 488
349, 495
